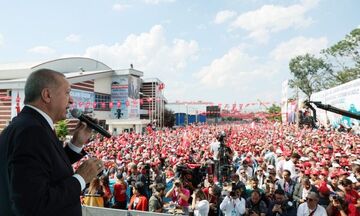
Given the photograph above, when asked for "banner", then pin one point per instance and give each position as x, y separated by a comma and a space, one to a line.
125, 97
345, 97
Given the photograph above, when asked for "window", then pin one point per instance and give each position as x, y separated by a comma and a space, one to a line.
102, 102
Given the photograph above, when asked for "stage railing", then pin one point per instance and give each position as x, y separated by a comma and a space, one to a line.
96, 211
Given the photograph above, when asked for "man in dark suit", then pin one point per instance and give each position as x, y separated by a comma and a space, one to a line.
286, 184
302, 190
36, 176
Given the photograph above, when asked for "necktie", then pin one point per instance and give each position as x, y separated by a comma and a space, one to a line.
286, 187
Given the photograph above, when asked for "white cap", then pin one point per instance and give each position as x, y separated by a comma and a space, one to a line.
357, 162
271, 166
336, 165
352, 179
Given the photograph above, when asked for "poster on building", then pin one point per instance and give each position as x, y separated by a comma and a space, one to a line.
17, 101
134, 90
83, 100
119, 97
345, 97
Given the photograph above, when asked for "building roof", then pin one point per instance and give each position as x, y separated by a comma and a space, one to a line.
64, 65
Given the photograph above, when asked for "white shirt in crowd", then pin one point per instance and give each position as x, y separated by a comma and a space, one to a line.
304, 210
202, 208
231, 207
214, 148
289, 165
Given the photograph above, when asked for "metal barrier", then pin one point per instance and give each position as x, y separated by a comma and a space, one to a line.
96, 211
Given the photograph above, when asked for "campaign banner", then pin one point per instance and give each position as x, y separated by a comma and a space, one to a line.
345, 97
125, 97
83, 100
134, 103
119, 96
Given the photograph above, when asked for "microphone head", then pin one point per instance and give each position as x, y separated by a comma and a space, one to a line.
76, 113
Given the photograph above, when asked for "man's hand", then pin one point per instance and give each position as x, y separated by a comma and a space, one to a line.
277, 208
82, 134
90, 169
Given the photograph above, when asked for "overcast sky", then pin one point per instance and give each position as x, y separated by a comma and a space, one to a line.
223, 51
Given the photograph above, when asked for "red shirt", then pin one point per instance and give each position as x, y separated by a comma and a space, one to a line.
120, 192
139, 203
352, 196
181, 202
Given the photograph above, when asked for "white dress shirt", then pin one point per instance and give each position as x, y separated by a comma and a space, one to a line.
303, 210
228, 205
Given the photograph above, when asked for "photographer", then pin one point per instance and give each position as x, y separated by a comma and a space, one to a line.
254, 205
337, 206
156, 200
200, 205
179, 195
281, 205
233, 204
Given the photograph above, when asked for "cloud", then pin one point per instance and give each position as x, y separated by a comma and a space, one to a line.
223, 16
239, 76
41, 50
298, 46
120, 7
18, 65
231, 69
158, 1
1, 40
73, 38
150, 52
268, 19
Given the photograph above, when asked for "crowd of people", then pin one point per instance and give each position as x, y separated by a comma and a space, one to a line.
259, 169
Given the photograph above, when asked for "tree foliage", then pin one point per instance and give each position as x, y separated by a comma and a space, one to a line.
275, 112
344, 58
308, 72
335, 65
169, 118
61, 129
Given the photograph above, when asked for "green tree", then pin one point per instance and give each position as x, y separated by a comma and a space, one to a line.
275, 112
308, 73
61, 129
169, 118
344, 58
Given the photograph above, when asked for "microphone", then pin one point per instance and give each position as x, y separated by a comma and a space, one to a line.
76, 113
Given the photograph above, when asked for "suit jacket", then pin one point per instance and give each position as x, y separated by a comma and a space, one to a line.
281, 184
35, 169
298, 191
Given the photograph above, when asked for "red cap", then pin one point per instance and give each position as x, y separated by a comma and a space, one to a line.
315, 172
324, 173
324, 189
342, 172
333, 175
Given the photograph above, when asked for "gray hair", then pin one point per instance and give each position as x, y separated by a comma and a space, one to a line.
37, 81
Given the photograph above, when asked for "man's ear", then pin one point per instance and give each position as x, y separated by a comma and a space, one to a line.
46, 95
